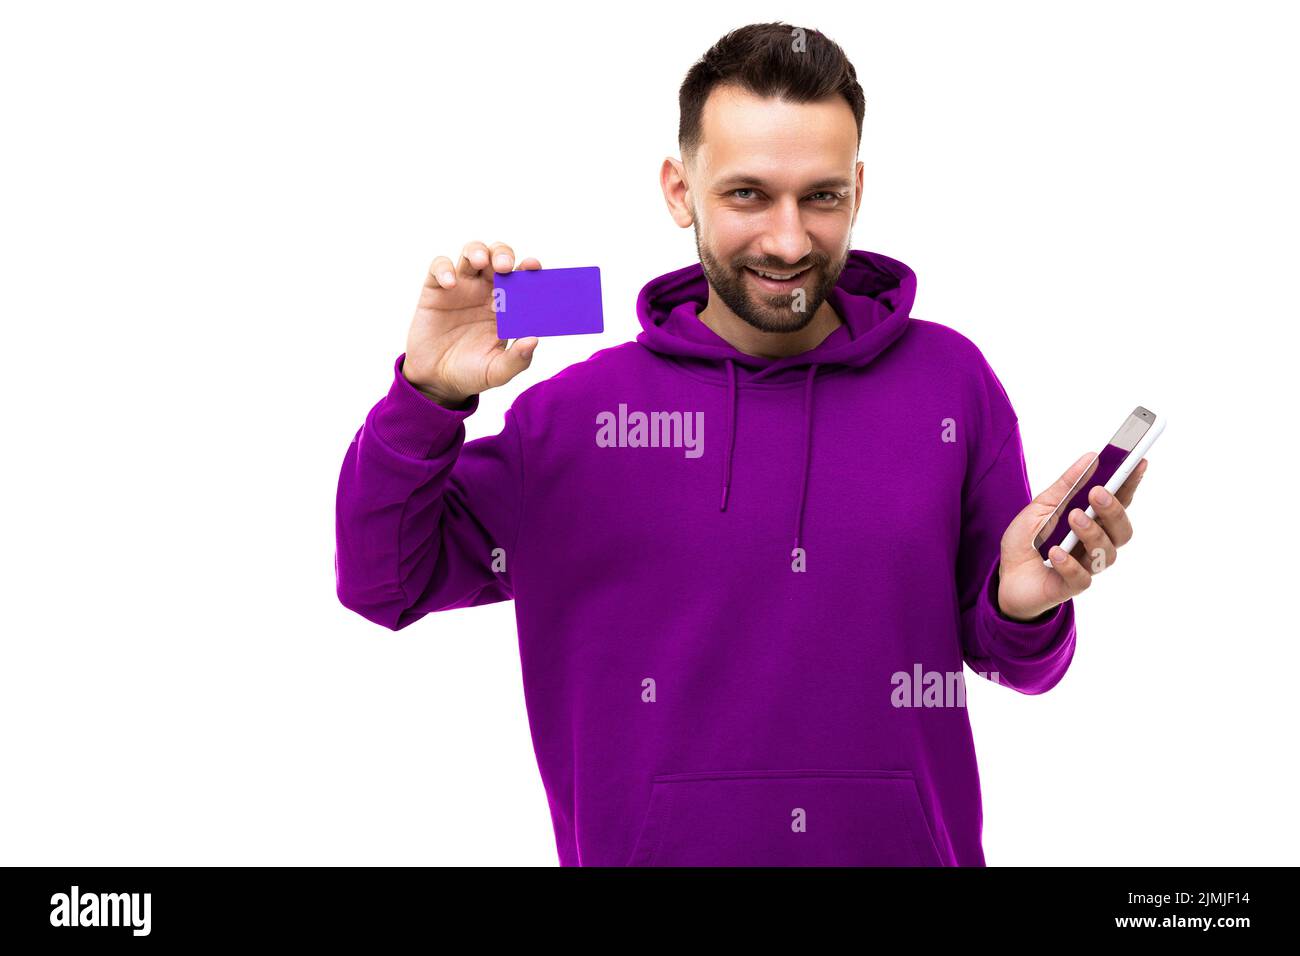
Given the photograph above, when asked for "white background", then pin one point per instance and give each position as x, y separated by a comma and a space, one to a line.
216, 218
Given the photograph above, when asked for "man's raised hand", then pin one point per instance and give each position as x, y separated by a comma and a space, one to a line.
452, 349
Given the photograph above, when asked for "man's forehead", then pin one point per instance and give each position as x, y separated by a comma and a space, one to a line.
766, 139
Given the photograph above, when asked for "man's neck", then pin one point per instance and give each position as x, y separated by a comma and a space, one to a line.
745, 338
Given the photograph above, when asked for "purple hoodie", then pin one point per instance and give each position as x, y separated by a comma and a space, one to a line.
745, 588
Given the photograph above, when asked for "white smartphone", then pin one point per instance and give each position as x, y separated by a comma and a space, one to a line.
1111, 467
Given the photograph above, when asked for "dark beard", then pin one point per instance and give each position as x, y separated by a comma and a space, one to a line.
770, 312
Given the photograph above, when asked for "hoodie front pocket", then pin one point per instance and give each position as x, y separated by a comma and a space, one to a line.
785, 818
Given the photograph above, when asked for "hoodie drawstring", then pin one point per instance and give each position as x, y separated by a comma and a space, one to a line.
807, 443
731, 432
807, 451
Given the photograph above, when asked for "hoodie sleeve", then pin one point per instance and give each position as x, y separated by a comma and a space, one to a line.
1029, 656
423, 520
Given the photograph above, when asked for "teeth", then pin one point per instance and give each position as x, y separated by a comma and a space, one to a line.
769, 275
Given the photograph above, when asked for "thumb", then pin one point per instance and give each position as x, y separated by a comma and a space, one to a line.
526, 349
1054, 495
512, 360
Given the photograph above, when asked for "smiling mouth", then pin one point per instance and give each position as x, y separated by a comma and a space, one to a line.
777, 280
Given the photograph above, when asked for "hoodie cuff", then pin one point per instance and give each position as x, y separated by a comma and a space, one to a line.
1020, 639
411, 423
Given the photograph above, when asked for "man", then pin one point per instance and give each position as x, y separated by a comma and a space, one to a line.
750, 551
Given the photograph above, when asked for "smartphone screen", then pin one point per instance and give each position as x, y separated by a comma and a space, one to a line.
1102, 468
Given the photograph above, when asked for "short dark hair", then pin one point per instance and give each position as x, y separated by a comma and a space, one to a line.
768, 59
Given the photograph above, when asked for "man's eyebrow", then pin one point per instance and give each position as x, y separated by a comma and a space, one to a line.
744, 180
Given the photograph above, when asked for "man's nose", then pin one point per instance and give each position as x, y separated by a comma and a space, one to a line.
786, 238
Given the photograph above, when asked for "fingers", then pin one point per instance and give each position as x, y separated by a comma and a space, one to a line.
1098, 549
1100, 537
1129, 488
1111, 516
440, 274
503, 257
1111, 529
474, 258
1077, 578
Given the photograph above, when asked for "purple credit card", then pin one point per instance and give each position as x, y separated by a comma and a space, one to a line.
547, 302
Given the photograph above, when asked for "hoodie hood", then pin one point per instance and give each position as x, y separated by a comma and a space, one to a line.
873, 298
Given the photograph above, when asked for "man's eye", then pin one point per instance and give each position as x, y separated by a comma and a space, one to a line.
827, 196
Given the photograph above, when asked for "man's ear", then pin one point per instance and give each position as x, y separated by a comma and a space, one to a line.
672, 179
857, 192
